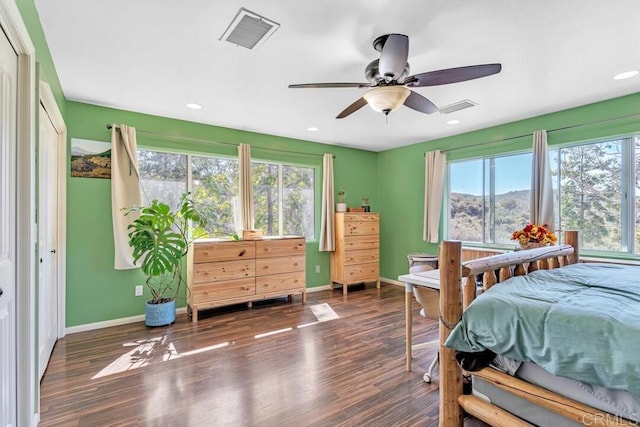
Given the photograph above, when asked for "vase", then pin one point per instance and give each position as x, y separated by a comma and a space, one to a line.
532, 245
160, 314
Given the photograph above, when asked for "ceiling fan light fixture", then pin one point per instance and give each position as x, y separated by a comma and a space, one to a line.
626, 75
385, 99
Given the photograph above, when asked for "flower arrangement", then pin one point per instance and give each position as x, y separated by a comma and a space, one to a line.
534, 235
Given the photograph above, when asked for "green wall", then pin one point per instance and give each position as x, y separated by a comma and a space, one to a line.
401, 178
95, 291
46, 68
393, 180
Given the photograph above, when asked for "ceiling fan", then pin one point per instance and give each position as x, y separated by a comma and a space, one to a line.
389, 80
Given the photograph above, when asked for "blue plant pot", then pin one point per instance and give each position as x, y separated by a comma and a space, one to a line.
160, 314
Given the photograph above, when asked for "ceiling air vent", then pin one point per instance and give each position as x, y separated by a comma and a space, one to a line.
457, 106
249, 29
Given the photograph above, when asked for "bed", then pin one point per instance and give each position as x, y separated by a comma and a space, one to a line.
533, 320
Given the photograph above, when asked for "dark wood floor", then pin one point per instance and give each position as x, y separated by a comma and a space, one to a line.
222, 372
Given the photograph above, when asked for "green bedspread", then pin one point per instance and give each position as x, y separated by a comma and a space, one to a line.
581, 321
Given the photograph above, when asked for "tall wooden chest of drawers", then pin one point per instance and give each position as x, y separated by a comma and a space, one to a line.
224, 272
357, 255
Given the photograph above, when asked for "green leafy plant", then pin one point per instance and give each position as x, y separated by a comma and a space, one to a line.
341, 195
160, 238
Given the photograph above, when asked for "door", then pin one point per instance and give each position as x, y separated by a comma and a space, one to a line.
47, 239
8, 367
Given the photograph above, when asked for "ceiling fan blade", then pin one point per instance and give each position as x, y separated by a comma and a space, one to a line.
328, 85
420, 103
352, 108
452, 75
393, 57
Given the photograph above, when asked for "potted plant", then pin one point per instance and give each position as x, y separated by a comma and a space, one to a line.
160, 239
341, 206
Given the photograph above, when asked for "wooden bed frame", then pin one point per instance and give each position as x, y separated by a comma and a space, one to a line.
454, 298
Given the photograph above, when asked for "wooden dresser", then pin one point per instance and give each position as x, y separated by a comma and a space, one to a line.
224, 272
357, 255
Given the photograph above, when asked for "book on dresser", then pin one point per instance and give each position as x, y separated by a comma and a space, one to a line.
225, 272
357, 255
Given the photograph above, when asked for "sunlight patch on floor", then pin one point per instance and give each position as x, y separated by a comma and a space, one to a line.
324, 312
158, 349
146, 351
267, 334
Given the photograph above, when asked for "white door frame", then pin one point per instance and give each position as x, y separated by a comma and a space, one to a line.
48, 101
26, 375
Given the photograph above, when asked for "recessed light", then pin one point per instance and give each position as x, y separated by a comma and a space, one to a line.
453, 122
312, 129
626, 75
194, 106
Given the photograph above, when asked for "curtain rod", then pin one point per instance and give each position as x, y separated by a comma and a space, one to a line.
549, 131
206, 141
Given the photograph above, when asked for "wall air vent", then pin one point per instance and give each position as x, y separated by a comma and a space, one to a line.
457, 106
249, 29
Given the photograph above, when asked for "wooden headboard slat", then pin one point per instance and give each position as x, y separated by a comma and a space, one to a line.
497, 262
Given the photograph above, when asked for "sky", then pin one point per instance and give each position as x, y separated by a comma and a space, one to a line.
512, 173
90, 146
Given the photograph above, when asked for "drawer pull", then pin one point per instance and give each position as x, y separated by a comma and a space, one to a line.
242, 252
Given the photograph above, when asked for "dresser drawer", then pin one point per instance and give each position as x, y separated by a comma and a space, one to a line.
279, 282
361, 242
360, 257
207, 292
276, 265
223, 251
360, 228
279, 247
210, 272
360, 217
361, 272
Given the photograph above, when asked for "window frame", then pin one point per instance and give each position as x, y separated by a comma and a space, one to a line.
488, 223
281, 166
628, 201
313, 166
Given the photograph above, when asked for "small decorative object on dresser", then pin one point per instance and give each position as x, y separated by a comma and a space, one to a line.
341, 206
356, 258
365, 204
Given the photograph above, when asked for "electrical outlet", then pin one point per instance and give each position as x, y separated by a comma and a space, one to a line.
317, 269
138, 290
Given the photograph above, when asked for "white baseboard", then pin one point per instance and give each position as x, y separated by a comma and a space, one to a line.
392, 282
140, 317
114, 322
318, 288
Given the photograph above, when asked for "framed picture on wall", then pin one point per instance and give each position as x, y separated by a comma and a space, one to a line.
90, 159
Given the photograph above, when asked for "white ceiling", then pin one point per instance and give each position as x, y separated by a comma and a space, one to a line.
155, 56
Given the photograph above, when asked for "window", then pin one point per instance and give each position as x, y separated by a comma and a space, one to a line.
284, 195
163, 176
595, 186
215, 192
283, 199
488, 198
596, 190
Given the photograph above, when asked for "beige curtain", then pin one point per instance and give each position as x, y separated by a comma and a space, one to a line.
327, 224
246, 187
125, 191
434, 168
541, 187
